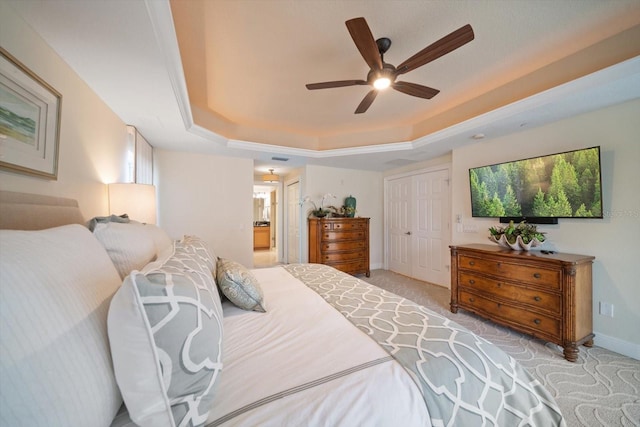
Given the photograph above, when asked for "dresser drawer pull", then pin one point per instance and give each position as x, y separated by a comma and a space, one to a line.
537, 298
472, 263
499, 285
472, 299
537, 275
471, 282
537, 321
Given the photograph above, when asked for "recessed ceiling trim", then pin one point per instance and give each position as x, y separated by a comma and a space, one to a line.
162, 22
165, 33
319, 154
625, 69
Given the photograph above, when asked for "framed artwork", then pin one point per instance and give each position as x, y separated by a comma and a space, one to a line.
29, 121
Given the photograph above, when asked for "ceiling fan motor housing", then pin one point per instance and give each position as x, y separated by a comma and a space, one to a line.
388, 71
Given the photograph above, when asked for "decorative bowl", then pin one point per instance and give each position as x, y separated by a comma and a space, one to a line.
519, 245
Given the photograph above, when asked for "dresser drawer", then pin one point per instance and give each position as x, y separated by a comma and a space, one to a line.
339, 256
343, 235
512, 292
353, 224
517, 272
351, 267
532, 322
344, 246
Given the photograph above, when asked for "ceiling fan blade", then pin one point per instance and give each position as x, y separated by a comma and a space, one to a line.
449, 43
414, 89
366, 44
366, 102
338, 83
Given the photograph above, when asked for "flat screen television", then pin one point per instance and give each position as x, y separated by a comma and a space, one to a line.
539, 189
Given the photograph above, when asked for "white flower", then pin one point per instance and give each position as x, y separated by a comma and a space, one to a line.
307, 199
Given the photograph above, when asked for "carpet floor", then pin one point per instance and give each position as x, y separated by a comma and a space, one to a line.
601, 389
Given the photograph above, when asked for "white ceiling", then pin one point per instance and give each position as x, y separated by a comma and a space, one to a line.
261, 53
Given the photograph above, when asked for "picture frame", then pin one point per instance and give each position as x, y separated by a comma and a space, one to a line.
29, 121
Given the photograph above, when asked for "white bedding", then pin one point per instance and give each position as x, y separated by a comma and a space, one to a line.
298, 341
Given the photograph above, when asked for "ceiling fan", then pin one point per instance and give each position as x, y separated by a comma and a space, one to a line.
382, 75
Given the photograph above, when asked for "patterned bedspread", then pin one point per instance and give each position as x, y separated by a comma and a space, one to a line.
465, 380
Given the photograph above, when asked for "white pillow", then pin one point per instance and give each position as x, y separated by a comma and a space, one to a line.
131, 245
165, 328
55, 364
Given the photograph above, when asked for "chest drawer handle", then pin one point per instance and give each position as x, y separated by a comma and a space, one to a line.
537, 275
499, 285
537, 298
471, 282
472, 299
537, 321
472, 263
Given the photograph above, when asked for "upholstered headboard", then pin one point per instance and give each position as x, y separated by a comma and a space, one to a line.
23, 211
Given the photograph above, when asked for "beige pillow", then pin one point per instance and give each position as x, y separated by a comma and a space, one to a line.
131, 245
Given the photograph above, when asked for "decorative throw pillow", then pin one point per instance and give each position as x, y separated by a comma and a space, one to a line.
240, 285
55, 364
131, 245
198, 250
165, 327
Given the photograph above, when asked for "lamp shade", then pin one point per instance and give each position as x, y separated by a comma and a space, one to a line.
136, 200
270, 177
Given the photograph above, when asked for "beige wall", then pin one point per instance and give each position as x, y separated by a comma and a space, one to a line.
365, 186
613, 240
209, 196
93, 140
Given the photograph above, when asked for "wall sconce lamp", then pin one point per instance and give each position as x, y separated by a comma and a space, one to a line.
136, 200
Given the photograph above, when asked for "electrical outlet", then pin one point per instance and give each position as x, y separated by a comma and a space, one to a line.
606, 309
470, 228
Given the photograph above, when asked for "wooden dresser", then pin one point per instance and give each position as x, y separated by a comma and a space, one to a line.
342, 243
545, 295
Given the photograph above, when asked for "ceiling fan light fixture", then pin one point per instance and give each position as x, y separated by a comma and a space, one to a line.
382, 83
270, 177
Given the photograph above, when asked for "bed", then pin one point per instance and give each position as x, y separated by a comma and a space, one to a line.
314, 346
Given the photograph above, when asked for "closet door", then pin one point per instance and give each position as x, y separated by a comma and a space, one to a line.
399, 223
430, 245
293, 222
418, 226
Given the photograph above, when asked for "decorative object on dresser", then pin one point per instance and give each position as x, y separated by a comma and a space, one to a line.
318, 212
350, 206
342, 243
517, 237
546, 295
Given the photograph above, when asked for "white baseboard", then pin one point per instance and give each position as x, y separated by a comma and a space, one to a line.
623, 347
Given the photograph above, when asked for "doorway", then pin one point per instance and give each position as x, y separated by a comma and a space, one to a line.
265, 226
417, 225
293, 250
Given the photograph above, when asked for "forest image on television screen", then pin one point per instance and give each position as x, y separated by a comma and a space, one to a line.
559, 185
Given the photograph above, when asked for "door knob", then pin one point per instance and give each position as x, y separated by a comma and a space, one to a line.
408, 233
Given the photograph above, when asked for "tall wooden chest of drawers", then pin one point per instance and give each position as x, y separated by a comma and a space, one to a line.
342, 243
546, 295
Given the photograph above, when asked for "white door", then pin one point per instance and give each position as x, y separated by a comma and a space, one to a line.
431, 227
293, 223
399, 200
418, 226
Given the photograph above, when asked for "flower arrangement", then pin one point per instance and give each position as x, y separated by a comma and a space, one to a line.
517, 237
319, 212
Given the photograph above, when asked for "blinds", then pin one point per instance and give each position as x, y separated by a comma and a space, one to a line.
143, 160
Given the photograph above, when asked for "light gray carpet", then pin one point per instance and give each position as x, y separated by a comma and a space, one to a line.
601, 389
